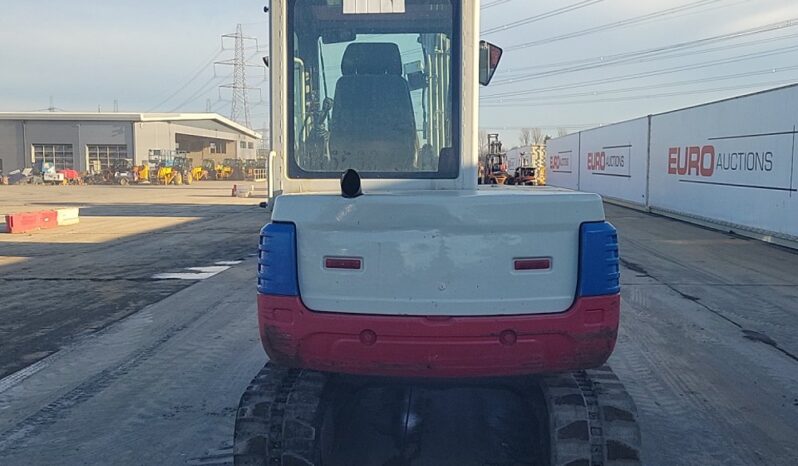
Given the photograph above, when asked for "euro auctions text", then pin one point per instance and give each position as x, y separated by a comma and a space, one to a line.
706, 161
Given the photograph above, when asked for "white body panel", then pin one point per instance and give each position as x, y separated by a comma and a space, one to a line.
428, 247
440, 253
614, 160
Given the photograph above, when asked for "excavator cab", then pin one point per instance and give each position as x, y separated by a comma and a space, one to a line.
377, 90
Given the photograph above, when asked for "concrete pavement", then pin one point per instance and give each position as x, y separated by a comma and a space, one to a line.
58, 284
708, 343
159, 387
707, 349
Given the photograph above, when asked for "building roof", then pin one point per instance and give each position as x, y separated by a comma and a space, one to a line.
132, 117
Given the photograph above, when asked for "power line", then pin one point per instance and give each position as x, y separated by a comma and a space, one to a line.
188, 83
655, 53
646, 74
647, 96
747, 74
566, 126
541, 16
494, 3
617, 24
199, 93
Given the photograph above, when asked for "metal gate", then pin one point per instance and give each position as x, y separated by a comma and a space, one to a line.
106, 155
60, 155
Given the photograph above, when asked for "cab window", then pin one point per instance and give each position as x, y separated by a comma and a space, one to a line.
373, 92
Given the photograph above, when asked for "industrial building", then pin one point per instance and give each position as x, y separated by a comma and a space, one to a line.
81, 140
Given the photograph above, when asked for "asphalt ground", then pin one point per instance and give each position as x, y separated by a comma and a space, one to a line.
57, 285
707, 349
708, 343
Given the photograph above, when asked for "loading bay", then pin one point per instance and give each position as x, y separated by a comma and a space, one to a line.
128, 339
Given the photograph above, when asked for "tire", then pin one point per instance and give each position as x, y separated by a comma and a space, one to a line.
281, 418
124, 181
592, 420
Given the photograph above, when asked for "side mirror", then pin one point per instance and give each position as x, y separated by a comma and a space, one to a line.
489, 58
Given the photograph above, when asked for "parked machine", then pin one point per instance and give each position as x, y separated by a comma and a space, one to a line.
237, 170
184, 166
384, 259
123, 172
494, 167
46, 173
217, 171
142, 173
210, 166
523, 176
199, 174
166, 173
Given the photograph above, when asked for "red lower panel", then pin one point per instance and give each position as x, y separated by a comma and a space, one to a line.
581, 338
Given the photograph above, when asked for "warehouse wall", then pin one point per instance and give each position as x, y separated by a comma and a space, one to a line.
11, 146
729, 164
78, 134
161, 135
17, 138
152, 135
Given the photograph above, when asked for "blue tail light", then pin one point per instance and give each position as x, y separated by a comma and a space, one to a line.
599, 267
277, 271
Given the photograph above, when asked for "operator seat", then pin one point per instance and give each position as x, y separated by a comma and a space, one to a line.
373, 126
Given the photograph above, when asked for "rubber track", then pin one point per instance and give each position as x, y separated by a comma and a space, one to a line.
592, 420
278, 418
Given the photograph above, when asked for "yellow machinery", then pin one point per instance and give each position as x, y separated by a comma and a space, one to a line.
217, 171
224, 171
168, 175
199, 174
142, 172
185, 166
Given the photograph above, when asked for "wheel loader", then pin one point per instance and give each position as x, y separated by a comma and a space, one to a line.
385, 264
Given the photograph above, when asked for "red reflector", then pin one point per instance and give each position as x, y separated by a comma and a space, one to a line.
345, 264
532, 264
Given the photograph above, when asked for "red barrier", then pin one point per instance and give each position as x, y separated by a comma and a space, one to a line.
48, 219
30, 221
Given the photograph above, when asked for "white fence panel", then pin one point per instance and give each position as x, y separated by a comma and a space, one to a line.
614, 161
731, 162
563, 162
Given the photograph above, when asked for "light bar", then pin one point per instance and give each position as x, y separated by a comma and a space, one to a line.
538, 263
343, 263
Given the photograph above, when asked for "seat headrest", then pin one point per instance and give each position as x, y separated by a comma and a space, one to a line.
371, 58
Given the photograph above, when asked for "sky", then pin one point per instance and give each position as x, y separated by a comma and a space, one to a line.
569, 64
